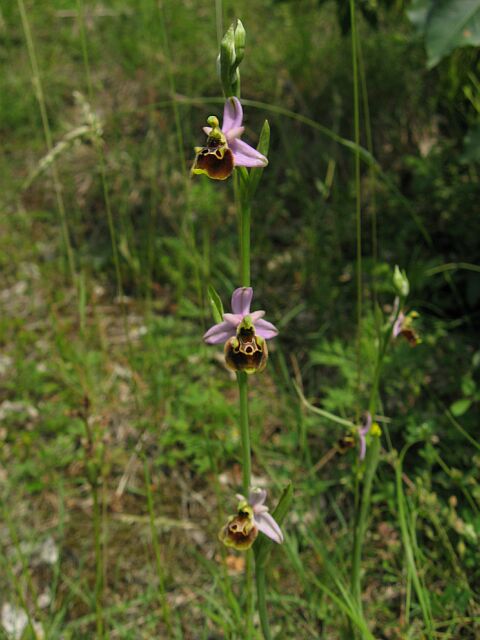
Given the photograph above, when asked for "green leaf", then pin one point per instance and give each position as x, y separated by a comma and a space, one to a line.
256, 172
217, 306
468, 385
471, 145
451, 24
460, 407
244, 182
418, 14
264, 545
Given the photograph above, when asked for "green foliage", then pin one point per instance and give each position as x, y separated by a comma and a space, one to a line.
156, 392
446, 25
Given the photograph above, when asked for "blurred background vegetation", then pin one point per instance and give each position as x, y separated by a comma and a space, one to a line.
107, 248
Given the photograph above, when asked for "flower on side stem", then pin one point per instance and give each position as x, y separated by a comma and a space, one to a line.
244, 334
241, 530
224, 150
403, 326
367, 427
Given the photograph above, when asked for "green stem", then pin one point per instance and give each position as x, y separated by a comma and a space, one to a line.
244, 431
245, 244
261, 601
373, 453
242, 380
362, 499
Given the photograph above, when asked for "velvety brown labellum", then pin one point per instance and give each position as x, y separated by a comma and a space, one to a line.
217, 162
411, 336
345, 443
247, 352
239, 532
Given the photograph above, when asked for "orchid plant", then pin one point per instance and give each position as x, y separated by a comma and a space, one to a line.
243, 332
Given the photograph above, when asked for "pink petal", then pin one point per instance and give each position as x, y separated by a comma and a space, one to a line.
234, 133
246, 156
207, 130
267, 525
366, 423
363, 446
265, 329
233, 318
232, 115
241, 300
256, 315
220, 332
257, 497
397, 327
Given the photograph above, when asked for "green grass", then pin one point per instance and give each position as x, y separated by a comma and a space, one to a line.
125, 330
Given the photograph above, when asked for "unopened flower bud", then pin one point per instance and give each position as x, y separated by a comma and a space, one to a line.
240, 37
400, 282
227, 60
232, 50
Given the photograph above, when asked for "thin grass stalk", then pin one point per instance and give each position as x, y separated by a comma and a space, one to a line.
219, 20
38, 89
373, 177
358, 195
189, 229
99, 582
92, 477
162, 597
420, 590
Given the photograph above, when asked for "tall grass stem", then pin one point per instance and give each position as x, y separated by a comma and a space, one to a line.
38, 89
166, 613
358, 195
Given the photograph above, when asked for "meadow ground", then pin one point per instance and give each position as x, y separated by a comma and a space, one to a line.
111, 404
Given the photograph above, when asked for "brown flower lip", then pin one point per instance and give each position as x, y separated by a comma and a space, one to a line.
224, 150
216, 162
239, 532
247, 352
